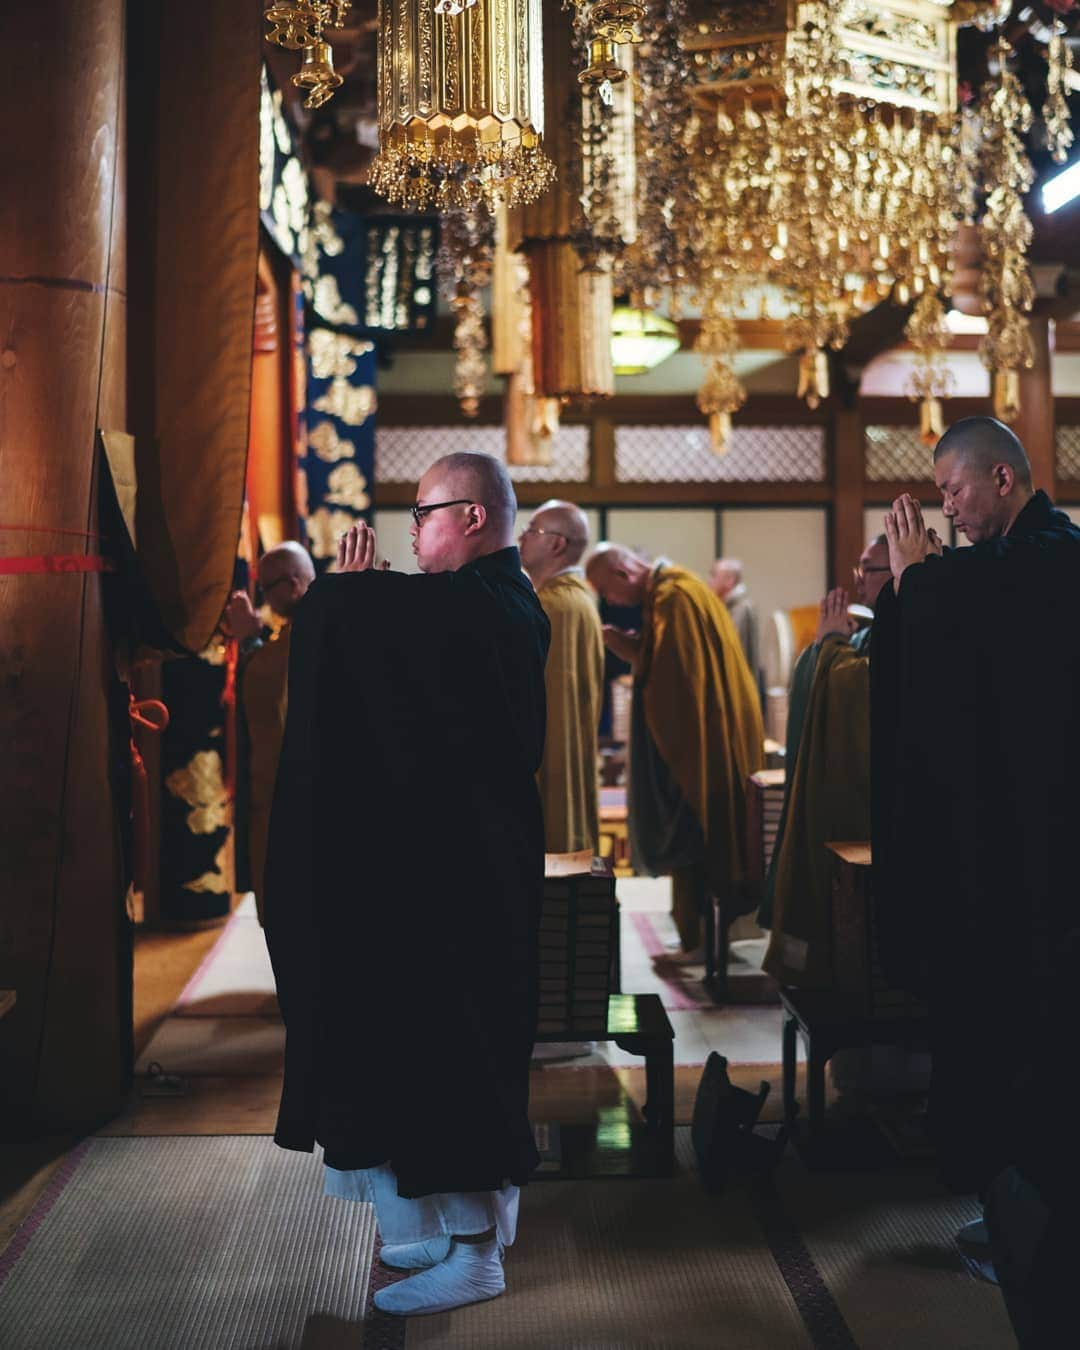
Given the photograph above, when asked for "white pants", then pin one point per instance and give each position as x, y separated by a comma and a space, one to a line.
454, 1214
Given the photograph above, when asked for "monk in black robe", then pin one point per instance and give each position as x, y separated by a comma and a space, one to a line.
975, 706
404, 882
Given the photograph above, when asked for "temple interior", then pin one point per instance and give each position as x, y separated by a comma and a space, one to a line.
717, 274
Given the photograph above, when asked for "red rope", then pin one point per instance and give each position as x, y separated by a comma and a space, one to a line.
49, 564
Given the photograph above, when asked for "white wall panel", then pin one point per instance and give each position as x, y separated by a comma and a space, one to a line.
874, 522
785, 562
395, 541
686, 535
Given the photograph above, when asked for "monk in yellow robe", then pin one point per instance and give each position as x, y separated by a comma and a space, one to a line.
696, 736
552, 546
285, 573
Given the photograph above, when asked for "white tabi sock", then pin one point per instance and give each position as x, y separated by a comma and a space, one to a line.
471, 1273
415, 1255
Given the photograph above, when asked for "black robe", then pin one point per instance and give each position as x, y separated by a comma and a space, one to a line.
975, 763
405, 873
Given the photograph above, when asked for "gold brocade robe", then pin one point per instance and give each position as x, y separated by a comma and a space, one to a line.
697, 736
265, 695
574, 682
829, 802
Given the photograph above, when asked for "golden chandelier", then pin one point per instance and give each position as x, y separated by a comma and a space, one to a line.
807, 160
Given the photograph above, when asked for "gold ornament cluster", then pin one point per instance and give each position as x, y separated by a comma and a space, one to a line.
807, 162
299, 25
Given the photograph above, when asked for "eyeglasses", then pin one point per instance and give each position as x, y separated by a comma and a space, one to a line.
536, 529
420, 512
861, 572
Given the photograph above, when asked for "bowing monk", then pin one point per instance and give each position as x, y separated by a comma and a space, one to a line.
696, 736
552, 546
405, 879
975, 704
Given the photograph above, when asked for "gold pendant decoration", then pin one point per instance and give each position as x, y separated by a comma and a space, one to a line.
603, 67
461, 105
317, 75
616, 20
298, 25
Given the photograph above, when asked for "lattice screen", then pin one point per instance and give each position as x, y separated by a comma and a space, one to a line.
404, 454
1068, 454
897, 455
684, 454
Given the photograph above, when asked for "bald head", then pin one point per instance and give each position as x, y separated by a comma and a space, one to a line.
285, 573
618, 574
725, 575
554, 539
484, 478
873, 571
983, 475
983, 443
476, 514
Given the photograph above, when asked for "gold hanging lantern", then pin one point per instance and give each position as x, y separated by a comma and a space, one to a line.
460, 104
571, 302
571, 323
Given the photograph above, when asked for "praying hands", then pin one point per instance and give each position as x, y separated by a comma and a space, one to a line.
909, 539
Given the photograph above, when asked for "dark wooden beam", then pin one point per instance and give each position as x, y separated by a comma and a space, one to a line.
425, 410
644, 494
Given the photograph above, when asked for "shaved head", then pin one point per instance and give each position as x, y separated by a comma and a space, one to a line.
553, 541
618, 574
285, 573
982, 443
873, 571
725, 575
984, 477
471, 512
483, 478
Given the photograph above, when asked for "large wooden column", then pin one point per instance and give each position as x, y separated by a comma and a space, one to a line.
1035, 425
64, 936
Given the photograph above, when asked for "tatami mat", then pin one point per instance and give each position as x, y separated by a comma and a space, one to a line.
187, 1244
885, 1248
649, 1265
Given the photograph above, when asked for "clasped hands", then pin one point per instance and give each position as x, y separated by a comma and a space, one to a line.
356, 550
625, 644
909, 539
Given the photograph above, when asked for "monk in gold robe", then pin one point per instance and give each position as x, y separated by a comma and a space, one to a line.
285, 573
552, 546
696, 736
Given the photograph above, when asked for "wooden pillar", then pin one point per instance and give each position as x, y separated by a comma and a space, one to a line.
64, 938
1036, 424
848, 460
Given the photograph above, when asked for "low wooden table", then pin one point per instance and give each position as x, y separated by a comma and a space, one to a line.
638, 1024
828, 1023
